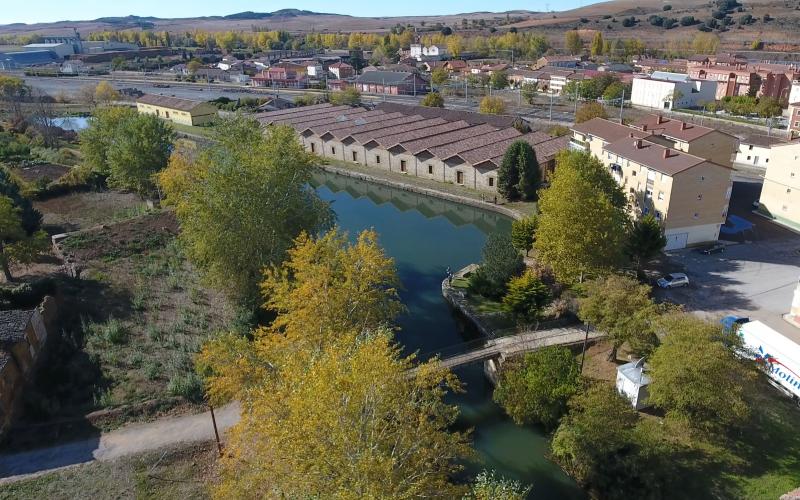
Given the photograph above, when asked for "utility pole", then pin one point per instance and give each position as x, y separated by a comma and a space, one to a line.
216, 432
551, 106
576, 100
583, 352
621, 105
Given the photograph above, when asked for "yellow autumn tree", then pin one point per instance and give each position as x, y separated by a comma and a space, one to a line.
330, 407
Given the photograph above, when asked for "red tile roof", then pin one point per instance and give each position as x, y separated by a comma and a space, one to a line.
391, 139
607, 130
389, 136
672, 128
656, 157
420, 145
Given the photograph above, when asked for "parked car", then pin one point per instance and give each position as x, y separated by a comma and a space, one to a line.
673, 280
709, 249
731, 322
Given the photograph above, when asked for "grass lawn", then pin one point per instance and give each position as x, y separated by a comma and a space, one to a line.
489, 311
192, 129
183, 473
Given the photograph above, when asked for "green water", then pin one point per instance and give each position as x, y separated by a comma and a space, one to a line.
425, 236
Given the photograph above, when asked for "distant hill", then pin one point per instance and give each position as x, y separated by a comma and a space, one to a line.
278, 13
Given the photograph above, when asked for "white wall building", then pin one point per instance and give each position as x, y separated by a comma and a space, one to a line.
794, 94
632, 382
756, 150
62, 50
663, 90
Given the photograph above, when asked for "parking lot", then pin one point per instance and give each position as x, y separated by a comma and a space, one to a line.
755, 276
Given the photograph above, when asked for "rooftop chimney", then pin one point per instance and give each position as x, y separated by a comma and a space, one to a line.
659, 120
667, 153
637, 144
630, 135
644, 127
684, 125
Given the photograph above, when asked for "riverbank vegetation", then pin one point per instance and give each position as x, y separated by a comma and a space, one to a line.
698, 437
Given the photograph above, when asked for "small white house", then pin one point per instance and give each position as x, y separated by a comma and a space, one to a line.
632, 383
664, 90
756, 150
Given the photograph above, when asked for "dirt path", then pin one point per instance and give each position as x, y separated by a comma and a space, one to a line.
125, 441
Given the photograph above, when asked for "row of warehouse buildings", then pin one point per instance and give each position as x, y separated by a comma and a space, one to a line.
455, 147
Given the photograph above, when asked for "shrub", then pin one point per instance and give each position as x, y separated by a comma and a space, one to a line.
114, 331
188, 386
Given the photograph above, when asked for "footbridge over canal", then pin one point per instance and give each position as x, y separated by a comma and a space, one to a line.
513, 345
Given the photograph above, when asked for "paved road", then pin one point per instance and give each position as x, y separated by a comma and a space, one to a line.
125, 441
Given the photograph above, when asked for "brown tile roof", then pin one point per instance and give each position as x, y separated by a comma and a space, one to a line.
275, 116
764, 141
423, 128
672, 128
652, 155
484, 153
332, 116
169, 102
419, 145
446, 151
360, 119
290, 111
448, 114
388, 120
607, 130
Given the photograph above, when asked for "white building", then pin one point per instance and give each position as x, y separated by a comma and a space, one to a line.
794, 94
663, 90
756, 150
418, 52
315, 70
62, 50
228, 63
632, 382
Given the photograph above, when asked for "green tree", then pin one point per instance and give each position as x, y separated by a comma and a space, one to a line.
594, 436
590, 110
616, 90
492, 106
501, 261
347, 97
535, 389
526, 297
140, 148
621, 308
490, 486
105, 93
768, 107
118, 63
645, 241
439, 76
573, 42
30, 218
193, 66
13, 92
597, 45
433, 100
529, 92
499, 80
519, 174
697, 377
242, 201
523, 233
582, 220
99, 136
16, 245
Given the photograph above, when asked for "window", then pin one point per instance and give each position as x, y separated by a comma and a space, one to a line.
648, 193
750, 148
791, 174
661, 195
632, 191
633, 173
166, 114
788, 190
402, 165
766, 160
333, 150
313, 148
784, 208
491, 181
700, 197
702, 178
749, 157
459, 177
658, 215
355, 156
430, 169
377, 159
696, 216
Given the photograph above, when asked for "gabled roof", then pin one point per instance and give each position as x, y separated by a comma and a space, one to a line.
384, 77
425, 128
300, 109
656, 157
483, 153
301, 123
343, 128
671, 128
420, 145
452, 149
169, 102
762, 140
377, 126
470, 117
607, 130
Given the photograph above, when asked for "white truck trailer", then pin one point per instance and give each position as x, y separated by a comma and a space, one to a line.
779, 355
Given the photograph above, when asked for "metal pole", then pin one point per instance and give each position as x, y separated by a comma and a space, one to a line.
621, 105
216, 432
583, 352
551, 106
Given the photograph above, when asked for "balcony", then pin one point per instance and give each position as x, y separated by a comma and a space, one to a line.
576, 145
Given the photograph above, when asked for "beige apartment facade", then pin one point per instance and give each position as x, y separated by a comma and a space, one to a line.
688, 194
780, 194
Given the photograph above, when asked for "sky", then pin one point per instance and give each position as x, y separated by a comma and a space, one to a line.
20, 11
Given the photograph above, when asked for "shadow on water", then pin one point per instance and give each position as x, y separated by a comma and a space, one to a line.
425, 236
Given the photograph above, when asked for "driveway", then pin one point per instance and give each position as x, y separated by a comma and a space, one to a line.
755, 277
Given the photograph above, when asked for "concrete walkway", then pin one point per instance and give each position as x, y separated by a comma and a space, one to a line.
128, 440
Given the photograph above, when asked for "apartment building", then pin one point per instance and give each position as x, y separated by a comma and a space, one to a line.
691, 138
448, 146
652, 163
687, 193
780, 194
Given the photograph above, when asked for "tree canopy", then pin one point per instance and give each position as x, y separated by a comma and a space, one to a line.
501, 261
526, 297
16, 245
242, 201
582, 220
433, 100
523, 233
536, 388
519, 174
645, 241
590, 110
492, 106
